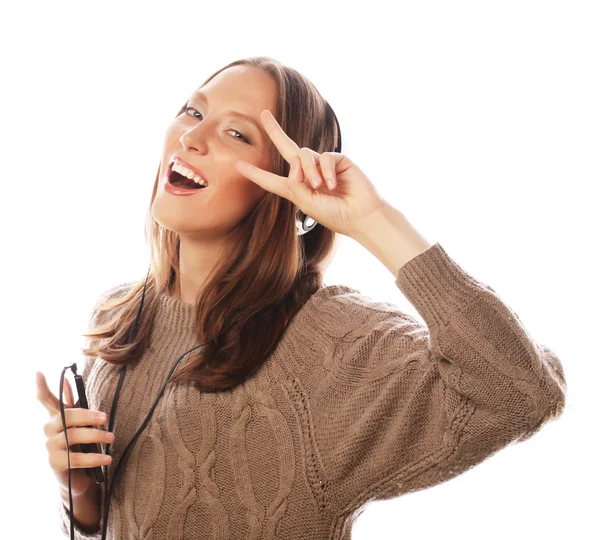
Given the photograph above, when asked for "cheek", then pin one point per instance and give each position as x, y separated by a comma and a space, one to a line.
248, 191
172, 133
239, 196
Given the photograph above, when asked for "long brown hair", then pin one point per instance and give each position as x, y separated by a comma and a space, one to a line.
265, 274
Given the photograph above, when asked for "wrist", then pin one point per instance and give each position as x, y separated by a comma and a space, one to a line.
390, 237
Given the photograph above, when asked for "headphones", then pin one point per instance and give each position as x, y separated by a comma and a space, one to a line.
303, 226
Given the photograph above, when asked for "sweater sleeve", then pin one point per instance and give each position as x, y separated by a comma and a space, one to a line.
404, 406
97, 317
65, 526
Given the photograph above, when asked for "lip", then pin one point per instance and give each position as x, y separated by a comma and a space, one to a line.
179, 190
176, 190
177, 159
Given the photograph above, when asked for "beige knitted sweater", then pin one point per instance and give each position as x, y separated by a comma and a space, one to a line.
359, 402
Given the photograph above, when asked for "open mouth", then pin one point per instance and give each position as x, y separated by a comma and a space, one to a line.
176, 179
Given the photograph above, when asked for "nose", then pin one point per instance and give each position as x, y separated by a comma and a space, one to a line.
189, 143
193, 139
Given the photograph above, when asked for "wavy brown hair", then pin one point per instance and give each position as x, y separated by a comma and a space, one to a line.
265, 274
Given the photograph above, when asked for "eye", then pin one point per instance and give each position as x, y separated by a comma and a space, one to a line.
244, 138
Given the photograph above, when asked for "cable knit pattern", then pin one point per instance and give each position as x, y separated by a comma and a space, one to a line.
359, 402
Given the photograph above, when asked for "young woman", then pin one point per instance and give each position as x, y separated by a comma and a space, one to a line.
306, 401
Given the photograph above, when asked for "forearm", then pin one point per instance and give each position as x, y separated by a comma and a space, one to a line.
86, 508
389, 236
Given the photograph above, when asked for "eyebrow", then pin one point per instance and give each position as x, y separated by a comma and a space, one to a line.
202, 97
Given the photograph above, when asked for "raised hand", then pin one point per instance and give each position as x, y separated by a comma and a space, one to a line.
340, 206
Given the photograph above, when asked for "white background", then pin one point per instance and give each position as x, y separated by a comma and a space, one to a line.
478, 120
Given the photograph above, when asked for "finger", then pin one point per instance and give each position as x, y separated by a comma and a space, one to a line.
45, 396
74, 417
302, 192
299, 179
286, 147
66, 388
80, 435
296, 172
266, 180
68, 392
309, 165
328, 169
81, 460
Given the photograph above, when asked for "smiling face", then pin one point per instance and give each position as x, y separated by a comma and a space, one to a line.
211, 137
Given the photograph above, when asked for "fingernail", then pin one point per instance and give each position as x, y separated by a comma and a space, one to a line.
101, 417
315, 181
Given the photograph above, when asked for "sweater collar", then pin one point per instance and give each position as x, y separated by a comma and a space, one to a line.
174, 315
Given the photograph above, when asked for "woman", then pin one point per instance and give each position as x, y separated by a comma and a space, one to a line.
308, 401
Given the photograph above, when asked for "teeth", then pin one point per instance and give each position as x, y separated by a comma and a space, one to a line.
189, 174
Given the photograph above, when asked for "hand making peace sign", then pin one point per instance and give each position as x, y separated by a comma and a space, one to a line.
349, 198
